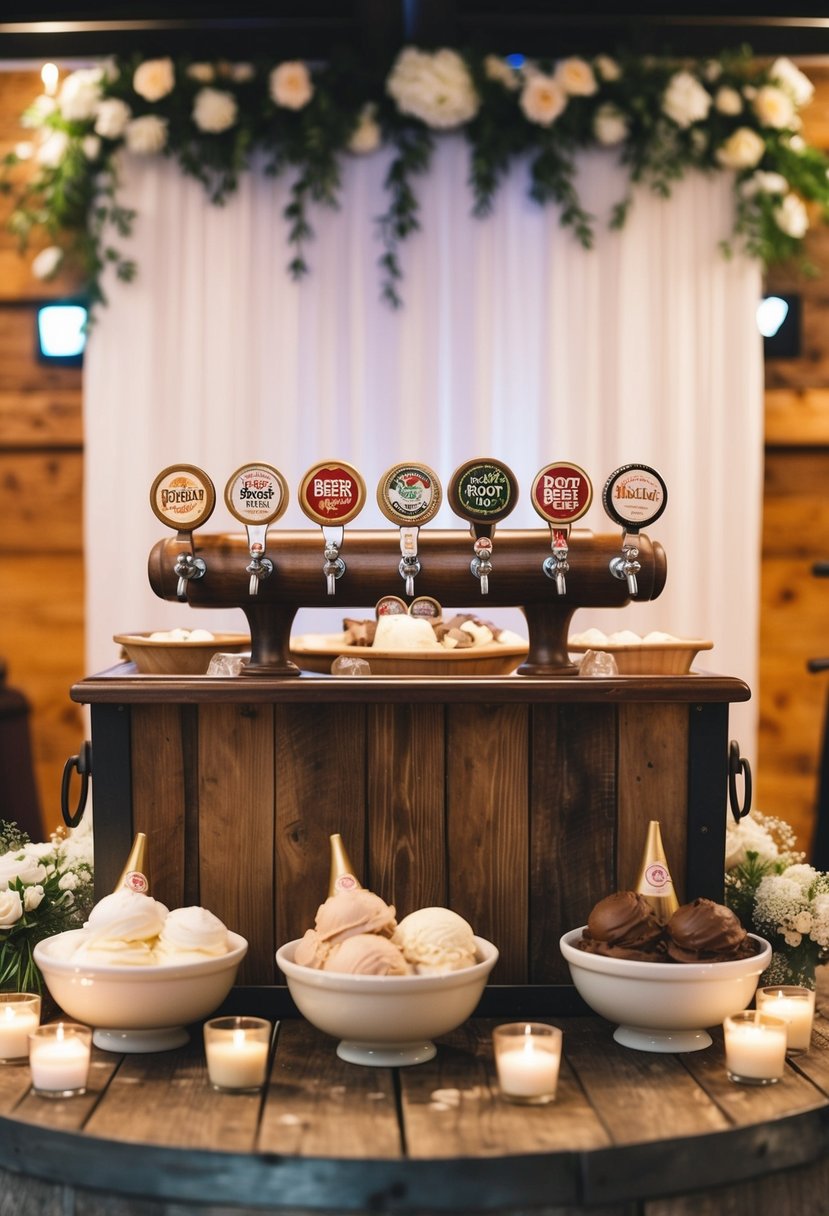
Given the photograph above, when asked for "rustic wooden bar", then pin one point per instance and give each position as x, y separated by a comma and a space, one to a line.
517, 801
630, 1134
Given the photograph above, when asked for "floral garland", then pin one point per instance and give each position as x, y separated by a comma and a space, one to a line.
660, 118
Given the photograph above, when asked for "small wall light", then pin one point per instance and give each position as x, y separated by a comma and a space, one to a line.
778, 319
61, 334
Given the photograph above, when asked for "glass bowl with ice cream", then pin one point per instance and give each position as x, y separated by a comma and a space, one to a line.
385, 989
139, 973
664, 984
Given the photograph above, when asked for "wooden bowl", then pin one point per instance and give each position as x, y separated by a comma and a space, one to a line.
648, 658
492, 659
169, 657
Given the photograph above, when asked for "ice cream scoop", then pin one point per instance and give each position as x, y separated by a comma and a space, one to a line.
311, 950
127, 916
436, 939
704, 930
623, 925
190, 934
399, 632
350, 912
367, 954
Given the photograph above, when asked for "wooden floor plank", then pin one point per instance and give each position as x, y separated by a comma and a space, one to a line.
71, 1114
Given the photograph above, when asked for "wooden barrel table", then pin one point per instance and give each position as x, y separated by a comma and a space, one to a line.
630, 1134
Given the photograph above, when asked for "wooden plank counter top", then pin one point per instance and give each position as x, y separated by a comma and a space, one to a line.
630, 1132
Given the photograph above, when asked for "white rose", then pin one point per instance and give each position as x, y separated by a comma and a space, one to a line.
154, 79
11, 909
797, 143
792, 80
610, 125
68, 881
764, 182
40, 109
214, 110
728, 101
576, 77
91, 147
25, 150
53, 149
496, 68
204, 73
685, 100
607, 68
79, 94
33, 897
146, 135
773, 107
542, 99
367, 135
19, 865
47, 262
290, 85
747, 836
743, 149
112, 117
433, 86
791, 216
712, 70
241, 73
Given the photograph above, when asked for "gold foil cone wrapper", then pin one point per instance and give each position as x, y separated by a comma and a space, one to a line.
654, 882
342, 877
135, 875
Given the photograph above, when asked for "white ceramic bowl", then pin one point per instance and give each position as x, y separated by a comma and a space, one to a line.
137, 1008
663, 1006
386, 1019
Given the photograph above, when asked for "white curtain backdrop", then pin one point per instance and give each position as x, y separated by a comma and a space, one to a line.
513, 342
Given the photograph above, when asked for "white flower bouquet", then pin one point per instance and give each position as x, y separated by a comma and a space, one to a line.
776, 895
45, 889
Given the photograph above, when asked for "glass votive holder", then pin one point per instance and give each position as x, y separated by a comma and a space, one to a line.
527, 1060
237, 1053
796, 1006
59, 1054
19, 1016
755, 1047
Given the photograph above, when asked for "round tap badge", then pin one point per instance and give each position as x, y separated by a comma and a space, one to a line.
562, 493
332, 493
390, 605
634, 496
256, 494
182, 496
409, 494
483, 490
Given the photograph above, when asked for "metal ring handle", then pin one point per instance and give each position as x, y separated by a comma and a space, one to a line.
738, 764
82, 764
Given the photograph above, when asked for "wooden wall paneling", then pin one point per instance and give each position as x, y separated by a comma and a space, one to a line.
572, 825
159, 797
487, 827
320, 786
40, 504
406, 805
236, 827
653, 784
36, 419
797, 417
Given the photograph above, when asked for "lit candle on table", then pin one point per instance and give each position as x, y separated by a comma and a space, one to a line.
527, 1059
796, 1006
237, 1052
19, 1016
59, 1059
755, 1047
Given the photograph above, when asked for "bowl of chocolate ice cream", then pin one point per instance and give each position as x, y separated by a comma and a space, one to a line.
385, 988
664, 984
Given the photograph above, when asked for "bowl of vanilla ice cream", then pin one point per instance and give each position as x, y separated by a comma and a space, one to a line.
165, 652
386, 989
651, 654
139, 973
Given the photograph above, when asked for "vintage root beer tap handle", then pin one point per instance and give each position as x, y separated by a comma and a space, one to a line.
182, 497
633, 496
561, 494
257, 495
483, 492
332, 493
409, 495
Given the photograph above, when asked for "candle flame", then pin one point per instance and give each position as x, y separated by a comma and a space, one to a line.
49, 75
239, 1037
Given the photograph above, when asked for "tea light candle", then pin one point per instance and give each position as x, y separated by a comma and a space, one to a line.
19, 1015
59, 1059
755, 1047
527, 1059
796, 1006
237, 1052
